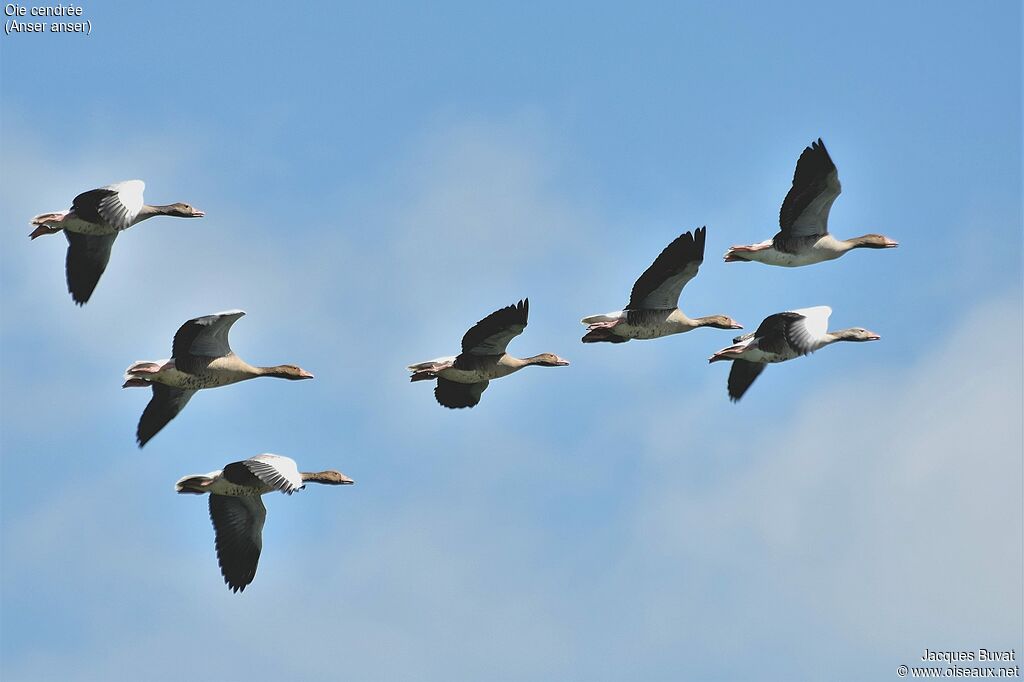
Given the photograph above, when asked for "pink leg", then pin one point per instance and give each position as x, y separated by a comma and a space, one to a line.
602, 325
144, 368
727, 354
732, 255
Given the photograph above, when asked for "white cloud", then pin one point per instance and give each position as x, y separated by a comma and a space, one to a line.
626, 520
888, 507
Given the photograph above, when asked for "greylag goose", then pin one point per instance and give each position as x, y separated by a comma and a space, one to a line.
804, 238
200, 358
653, 308
237, 511
93, 223
461, 379
781, 337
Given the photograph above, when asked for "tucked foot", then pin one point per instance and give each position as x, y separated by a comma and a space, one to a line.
44, 229
733, 254
727, 354
135, 375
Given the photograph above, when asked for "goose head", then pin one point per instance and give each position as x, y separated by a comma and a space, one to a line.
874, 241
291, 372
548, 360
329, 477
180, 210
856, 334
720, 322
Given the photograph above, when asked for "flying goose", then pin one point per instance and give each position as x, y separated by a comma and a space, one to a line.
200, 358
93, 223
463, 378
804, 238
652, 311
781, 337
237, 511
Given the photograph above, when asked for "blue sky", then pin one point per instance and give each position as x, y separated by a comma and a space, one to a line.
376, 180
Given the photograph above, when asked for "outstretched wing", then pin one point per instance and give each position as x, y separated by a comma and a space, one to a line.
490, 336
164, 406
86, 260
280, 473
658, 288
802, 330
203, 338
238, 526
741, 376
116, 205
454, 395
804, 211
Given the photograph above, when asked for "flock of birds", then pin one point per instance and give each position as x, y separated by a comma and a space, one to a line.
201, 356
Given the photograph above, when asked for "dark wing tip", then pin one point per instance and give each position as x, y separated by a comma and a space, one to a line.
517, 313
497, 322
164, 406
237, 554
741, 376
144, 433
699, 238
683, 251
451, 400
84, 263
827, 158
454, 395
810, 179
80, 293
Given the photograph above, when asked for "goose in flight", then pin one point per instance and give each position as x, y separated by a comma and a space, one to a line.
93, 223
200, 358
461, 379
804, 238
781, 337
237, 511
653, 308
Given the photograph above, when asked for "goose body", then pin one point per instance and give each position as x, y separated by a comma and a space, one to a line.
803, 238
201, 358
653, 308
643, 324
781, 337
237, 510
92, 224
462, 379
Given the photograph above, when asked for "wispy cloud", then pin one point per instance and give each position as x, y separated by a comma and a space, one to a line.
615, 520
